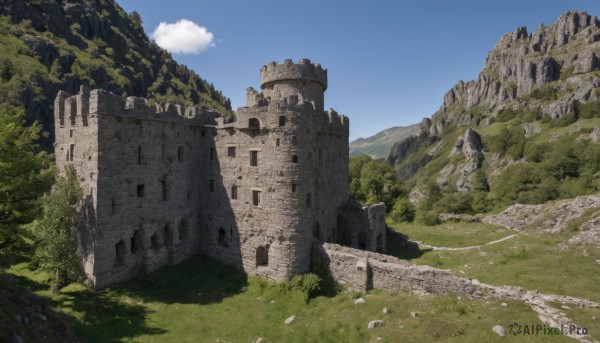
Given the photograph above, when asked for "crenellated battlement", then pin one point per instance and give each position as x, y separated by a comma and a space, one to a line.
338, 122
304, 70
164, 182
76, 109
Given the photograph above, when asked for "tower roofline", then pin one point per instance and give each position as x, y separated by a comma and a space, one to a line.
304, 70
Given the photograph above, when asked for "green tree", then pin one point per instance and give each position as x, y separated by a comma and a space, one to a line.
379, 183
403, 211
24, 176
355, 167
56, 250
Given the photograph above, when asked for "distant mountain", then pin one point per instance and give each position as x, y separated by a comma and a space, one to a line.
378, 146
527, 130
52, 45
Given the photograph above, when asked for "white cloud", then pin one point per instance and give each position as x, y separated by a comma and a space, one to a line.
184, 36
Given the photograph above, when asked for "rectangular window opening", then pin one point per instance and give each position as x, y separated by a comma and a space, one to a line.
256, 198
253, 158
180, 154
164, 189
281, 120
294, 187
139, 155
308, 200
140, 191
294, 158
234, 192
211, 186
231, 151
211, 154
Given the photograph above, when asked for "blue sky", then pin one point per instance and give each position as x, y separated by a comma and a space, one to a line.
389, 62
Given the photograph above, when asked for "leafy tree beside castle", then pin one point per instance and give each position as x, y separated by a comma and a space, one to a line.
55, 230
373, 182
24, 176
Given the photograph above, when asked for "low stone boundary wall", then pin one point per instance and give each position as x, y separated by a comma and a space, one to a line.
364, 270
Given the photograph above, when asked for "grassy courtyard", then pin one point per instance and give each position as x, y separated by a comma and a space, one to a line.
202, 300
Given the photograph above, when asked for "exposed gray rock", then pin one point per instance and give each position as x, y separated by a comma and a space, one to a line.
559, 109
499, 330
290, 320
359, 300
595, 135
519, 216
375, 324
458, 218
520, 63
532, 129
385, 310
415, 314
470, 146
586, 62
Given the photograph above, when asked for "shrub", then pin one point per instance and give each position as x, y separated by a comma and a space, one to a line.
308, 284
403, 211
590, 109
506, 115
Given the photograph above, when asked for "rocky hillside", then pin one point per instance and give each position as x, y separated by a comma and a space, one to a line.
550, 69
526, 131
52, 45
378, 146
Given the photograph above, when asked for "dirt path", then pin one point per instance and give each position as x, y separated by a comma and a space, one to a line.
464, 248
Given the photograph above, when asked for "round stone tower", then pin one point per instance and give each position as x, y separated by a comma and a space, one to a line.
296, 83
289, 167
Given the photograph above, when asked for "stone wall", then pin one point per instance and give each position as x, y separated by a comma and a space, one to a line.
137, 165
362, 227
163, 182
364, 270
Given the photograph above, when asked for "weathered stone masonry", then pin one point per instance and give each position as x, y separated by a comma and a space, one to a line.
162, 183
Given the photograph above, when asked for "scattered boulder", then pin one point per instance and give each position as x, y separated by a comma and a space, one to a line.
359, 301
375, 324
499, 330
458, 218
386, 310
290, 320
415, 314
504, 305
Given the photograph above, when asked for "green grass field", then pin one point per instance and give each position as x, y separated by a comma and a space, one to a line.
532, 260
202, 300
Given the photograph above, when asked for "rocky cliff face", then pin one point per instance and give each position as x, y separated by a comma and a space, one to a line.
521, 63
531, 83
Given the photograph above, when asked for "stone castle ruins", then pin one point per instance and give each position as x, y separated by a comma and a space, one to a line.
162, 183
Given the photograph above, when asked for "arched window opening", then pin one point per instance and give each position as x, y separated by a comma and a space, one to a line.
362, 241
222, 238
167, 236
262, 256
253, 123
183, 230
